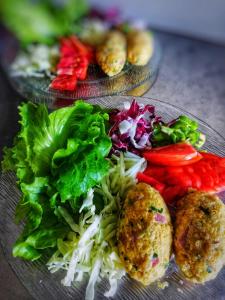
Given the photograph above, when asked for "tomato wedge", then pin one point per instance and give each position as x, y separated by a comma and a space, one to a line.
211, 156
172, 193
73, 65
157, 172
206, 174
180, 154
64, 83
151, 181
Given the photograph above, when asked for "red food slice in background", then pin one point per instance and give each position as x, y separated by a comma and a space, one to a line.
64, 83
70, 61
81, 69
74, 60
65, 71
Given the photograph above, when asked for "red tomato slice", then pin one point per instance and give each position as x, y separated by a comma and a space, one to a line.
207, 174
73, 64
157, 172
210, 156
172, 193
189, 169
151, 181
66, 47
67, 51
175, 171
81, 70
181, 180
66, 71
64, 83
196, 181
70, 61
173, 155
80, 47
221, 163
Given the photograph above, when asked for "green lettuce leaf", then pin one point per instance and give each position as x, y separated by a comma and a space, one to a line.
15, 159
8, 163
29, 207
82, 164
79, 174
45, 134
25, 251
34, 246
45, 238
58, 158
41, 21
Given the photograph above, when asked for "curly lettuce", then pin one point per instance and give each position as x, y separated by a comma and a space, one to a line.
57, 158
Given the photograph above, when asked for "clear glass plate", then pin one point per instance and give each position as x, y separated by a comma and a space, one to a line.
43, 285
135, 80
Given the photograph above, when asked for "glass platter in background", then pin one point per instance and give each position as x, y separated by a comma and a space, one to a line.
41, 284
132, 80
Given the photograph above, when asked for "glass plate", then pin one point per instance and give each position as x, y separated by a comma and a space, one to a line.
132, 80
43, 285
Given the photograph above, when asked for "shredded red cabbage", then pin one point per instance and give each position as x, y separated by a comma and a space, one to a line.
132, 128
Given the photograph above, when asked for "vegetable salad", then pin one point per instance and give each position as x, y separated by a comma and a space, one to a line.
74, 168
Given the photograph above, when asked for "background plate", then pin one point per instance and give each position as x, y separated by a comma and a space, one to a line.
43, 285
135, 80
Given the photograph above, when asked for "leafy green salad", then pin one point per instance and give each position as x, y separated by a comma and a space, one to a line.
74, 167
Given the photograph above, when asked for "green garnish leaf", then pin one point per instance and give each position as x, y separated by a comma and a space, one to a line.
154, 209
180, 130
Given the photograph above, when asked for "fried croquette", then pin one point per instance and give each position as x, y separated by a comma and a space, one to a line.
144, 234
199, 241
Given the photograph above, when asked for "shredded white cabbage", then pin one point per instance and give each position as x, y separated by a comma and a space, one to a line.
88, 201
90, 248
36, 62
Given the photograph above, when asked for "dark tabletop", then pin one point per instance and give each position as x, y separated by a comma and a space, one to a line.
192, 76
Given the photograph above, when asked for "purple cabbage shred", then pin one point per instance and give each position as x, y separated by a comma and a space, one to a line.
132, 128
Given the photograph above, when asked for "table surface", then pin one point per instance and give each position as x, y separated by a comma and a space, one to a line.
192, 76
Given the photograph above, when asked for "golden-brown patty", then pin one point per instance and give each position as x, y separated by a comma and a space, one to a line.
140, 47
111, 54
144, 234
200, 236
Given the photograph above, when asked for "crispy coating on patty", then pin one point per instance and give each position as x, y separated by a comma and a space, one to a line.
200, 236
140, 47
144, 234
111, 54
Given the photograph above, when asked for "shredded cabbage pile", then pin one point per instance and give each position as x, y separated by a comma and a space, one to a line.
37, 61
90, 247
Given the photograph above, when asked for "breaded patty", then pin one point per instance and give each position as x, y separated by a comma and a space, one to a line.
140, 47
200, 236
144, 234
